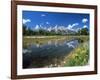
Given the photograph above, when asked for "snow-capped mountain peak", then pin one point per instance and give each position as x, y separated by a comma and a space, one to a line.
58, 29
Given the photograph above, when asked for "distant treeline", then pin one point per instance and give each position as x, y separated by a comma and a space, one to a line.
29, 32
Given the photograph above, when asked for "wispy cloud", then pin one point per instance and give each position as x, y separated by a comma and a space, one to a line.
73, 25
43, 15
47, 23
26, 21
84, 20
85, 26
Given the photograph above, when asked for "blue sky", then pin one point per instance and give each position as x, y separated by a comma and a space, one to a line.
47, 19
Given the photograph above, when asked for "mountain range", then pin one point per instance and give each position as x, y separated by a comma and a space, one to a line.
57, 29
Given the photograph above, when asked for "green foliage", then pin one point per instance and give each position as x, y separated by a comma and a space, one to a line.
79, 56
83, 31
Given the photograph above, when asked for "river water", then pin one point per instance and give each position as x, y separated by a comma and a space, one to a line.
50, 54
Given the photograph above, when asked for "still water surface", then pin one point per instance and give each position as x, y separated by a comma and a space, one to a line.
50, 54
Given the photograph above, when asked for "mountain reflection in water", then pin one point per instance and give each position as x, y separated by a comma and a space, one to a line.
50, 54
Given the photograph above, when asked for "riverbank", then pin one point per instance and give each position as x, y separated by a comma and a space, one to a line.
79, 56
34, 37
28, 40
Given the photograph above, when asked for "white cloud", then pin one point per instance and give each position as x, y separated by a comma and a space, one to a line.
75, 24
71, 26
36, 27
26, 20
84, 20
47, 23
42, 15
85, 26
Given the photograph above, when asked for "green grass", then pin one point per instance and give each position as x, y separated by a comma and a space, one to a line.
79, 56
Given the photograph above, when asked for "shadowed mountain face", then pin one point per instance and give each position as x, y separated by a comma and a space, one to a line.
49, 54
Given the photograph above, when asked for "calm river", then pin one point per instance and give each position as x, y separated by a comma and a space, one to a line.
50, 54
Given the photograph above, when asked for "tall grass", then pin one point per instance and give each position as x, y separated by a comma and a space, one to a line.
79, 56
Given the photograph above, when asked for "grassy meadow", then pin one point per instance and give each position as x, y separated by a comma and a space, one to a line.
78, 57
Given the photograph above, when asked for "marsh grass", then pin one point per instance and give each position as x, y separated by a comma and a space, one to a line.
79, 56
44, 39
